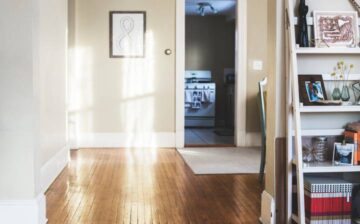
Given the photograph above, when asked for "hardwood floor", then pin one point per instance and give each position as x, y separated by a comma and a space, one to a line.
147, 186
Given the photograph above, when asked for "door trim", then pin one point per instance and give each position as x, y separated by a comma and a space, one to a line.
180, 74
240, 68
241, 73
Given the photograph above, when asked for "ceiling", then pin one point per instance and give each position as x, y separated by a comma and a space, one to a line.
224, 7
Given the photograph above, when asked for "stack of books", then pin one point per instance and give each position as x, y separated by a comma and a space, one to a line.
352, 135
327, 200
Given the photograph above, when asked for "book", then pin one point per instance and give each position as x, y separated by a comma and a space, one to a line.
327, 200
353, 137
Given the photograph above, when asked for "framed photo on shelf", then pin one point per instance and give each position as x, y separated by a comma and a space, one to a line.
311, 89
343, 154
336, 29
127, 34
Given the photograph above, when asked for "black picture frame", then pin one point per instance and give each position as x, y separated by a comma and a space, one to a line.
304, 82
111, 35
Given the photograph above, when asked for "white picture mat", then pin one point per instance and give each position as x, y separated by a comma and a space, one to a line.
128, 34
352, 146
355, 28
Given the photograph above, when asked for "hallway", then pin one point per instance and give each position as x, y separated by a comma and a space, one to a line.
147, 186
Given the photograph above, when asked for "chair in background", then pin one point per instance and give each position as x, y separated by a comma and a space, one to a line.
262, 107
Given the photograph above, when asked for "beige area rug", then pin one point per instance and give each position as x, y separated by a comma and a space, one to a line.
222, 160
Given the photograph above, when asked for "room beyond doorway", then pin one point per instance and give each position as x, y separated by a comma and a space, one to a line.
209, 92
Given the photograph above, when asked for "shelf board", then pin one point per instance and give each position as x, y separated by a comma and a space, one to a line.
309, 20
328, 77
315, 50
328, 109
321, 132
327, 167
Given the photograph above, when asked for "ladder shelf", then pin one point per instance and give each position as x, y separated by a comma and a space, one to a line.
315, 50
327, 167
296, 112
328, 109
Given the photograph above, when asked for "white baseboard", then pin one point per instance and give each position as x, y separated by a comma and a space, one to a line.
52, 168
253, 139
32, 211
120, 140
267, 208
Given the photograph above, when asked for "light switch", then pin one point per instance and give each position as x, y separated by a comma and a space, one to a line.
257, 65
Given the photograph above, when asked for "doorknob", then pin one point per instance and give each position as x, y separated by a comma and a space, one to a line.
168, 52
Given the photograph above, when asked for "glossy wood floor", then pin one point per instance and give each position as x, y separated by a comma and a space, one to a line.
148, 186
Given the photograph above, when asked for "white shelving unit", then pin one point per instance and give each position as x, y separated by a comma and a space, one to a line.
313, 50
296, 113
328, 109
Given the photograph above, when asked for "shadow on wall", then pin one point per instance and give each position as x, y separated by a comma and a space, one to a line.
135, 94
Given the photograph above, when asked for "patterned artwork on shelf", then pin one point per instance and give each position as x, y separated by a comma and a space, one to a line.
336, 29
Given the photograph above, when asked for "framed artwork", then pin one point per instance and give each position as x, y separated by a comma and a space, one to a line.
311, 89
127, 34
356, 90
343, 154
336, 29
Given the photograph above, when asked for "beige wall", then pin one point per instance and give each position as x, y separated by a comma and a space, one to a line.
257, 50
112, 95
210, 45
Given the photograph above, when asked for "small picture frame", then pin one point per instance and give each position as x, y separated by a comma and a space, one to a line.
127, 34
311, 89
343, 154
336, 29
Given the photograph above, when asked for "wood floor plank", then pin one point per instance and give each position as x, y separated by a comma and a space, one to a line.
147, 186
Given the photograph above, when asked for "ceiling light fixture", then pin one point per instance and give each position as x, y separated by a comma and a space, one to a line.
203, 6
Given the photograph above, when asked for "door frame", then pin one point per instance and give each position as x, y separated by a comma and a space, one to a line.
240, 70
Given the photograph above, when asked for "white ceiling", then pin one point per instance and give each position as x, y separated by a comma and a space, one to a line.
224, 7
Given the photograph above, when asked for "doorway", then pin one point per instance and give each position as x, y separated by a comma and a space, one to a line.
209, 72
240, 68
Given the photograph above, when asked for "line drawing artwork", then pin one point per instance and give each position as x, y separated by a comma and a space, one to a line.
127, 25
127, 34
336, 29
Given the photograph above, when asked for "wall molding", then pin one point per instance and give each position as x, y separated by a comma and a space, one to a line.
180, 74
52, 168
121, 140
241, 69
155, 139
32, 211
253, 139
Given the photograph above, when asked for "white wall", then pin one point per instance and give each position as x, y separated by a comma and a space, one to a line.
52, 76
323, 5
18, 105
32, 105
